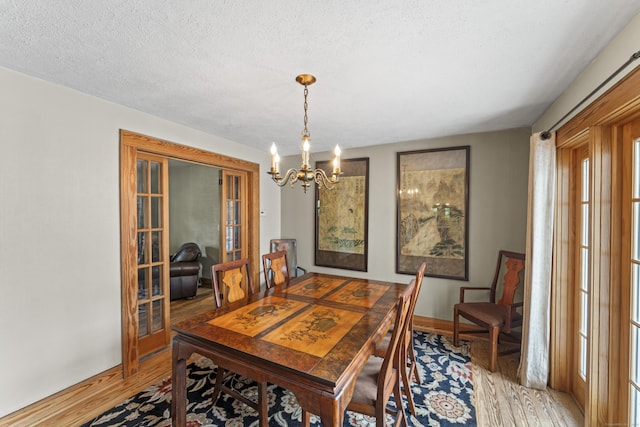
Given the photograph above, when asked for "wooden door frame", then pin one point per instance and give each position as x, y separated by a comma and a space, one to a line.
130, 144
599, 123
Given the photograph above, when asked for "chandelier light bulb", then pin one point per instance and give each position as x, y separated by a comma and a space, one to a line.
275, 158
336, 161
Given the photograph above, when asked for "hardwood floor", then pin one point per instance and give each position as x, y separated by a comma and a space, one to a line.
184, 308
500, 401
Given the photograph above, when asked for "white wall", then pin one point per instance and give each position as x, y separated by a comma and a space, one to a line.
608, 60
497, 205
59, 231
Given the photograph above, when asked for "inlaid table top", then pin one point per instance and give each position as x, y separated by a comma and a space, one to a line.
311, 335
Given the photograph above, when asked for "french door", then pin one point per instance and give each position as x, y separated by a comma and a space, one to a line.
631, 271
152, 249
234, 215
610, 126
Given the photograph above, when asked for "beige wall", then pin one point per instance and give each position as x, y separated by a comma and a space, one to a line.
60, 231
609, 60
497, 205
194, 210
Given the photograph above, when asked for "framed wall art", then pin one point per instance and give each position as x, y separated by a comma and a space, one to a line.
433, 212
342, 217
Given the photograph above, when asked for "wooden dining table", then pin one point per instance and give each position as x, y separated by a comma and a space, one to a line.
312, 336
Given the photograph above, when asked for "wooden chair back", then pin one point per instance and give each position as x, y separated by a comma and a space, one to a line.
276, 268
290, 247
511, 278
231, 281
389, 378
392, 360
416, 289
380, 378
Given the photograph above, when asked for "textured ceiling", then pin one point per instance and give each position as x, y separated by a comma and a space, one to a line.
387, 71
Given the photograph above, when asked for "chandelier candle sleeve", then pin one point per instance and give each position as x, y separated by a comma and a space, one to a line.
336, 161
275, 158
305, 152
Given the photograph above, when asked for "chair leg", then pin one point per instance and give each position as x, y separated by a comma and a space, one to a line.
306, 418
493, 339
381, 411
406, 381
413, 373
401, 416
456, 326
220, 374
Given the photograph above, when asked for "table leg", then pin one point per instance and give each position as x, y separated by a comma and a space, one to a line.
264, 404
331, 412
178, 388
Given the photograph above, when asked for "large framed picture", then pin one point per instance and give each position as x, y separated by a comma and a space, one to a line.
342, 217
433, 212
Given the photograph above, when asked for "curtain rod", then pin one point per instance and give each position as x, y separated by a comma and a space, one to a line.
547, 134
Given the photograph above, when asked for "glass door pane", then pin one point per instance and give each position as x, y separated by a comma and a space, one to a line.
234, 215
583, 280
581, 273
153, 331
634, 320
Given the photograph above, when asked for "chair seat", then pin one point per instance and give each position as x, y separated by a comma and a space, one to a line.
383, 345
498, 315
366, 389
486, 313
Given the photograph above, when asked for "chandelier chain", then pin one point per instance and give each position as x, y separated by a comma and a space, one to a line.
305, 131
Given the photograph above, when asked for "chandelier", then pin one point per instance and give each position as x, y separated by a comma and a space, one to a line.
305, 174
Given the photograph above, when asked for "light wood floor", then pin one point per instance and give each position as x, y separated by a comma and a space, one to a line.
500, 401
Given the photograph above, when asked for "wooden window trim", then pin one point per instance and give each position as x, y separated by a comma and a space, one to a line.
619, 104
600, 123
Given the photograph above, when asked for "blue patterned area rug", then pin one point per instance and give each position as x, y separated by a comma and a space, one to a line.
445, 397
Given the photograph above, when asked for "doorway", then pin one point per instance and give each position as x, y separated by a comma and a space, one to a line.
132, 147
194, 211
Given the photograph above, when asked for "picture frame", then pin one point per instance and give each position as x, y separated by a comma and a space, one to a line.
432, 199
342, 217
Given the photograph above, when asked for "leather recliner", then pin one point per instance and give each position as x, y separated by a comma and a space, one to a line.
184, 269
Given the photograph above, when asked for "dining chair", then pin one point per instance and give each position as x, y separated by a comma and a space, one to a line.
291, 247
231, 283
380, 377
495, 317
408, 355
276, 268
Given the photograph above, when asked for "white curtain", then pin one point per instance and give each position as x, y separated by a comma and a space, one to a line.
534, 360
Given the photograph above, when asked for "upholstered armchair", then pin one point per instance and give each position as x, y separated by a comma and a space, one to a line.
184, 270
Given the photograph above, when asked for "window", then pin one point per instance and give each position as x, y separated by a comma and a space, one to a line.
634, 321
583, 276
